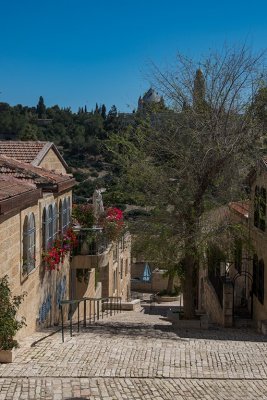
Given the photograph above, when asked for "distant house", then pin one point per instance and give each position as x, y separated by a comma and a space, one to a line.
39, 154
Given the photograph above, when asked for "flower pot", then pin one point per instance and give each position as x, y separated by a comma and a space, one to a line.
7, 356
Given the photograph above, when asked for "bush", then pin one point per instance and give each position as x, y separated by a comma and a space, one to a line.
175, 292
84, 215
94, 174
9, 324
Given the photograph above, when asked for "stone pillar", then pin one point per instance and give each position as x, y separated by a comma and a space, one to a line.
228, 304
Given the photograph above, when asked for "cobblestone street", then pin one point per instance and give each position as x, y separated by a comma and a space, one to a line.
137, 356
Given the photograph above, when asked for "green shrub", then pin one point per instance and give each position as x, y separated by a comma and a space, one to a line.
9, 324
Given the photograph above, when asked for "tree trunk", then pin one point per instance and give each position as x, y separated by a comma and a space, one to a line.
170, 283
188, 287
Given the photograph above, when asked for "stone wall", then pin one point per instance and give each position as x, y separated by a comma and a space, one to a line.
52, 162
221, 315
158, 281
211, 304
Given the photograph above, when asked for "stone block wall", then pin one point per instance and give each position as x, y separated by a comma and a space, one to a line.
44, 288
52, 162
211, 304
221, 315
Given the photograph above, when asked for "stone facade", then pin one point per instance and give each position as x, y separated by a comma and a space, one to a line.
259, 242
45, 199
112, 269
51, 161
44, 288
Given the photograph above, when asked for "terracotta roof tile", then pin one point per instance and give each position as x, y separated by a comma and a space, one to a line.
22, 151
10, 187
32, 174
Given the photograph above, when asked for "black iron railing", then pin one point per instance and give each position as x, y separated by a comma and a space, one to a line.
91, 241
93, 309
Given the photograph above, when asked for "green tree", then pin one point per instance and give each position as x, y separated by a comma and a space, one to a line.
103, 111
186, 163
41, 108
29, 132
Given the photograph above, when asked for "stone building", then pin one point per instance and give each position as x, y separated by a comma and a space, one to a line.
39, 154
35, 208
238, 290
101, 267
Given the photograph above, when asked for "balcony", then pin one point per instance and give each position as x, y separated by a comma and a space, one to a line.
92, 248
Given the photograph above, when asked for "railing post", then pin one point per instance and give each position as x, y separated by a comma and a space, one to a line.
120, 304
71, 319
111, 303
62, 323
90, 311
84, 313
102, 310
97, 309
94, 310
78, 316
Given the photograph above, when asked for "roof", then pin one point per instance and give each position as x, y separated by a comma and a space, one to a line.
10, 186
151, 96
241, 207
31, 152
41, 177
15, 194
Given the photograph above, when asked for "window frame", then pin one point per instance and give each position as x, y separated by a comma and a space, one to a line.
260, 207
29, 244
258, 278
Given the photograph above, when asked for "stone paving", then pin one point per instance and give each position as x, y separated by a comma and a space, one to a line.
138, 356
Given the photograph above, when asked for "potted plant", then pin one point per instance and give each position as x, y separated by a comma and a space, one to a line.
9, 324
168, 296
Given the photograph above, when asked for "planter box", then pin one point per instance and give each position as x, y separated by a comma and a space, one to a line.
201, 323
166, 299
7, 356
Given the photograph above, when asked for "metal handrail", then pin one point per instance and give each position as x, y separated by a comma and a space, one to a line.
101, 306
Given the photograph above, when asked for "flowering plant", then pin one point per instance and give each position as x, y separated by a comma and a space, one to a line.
113, 223
84, 215
56, 254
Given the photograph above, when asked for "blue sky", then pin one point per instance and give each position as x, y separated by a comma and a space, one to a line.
82, 52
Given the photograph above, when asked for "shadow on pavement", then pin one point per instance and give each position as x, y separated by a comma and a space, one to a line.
169, 332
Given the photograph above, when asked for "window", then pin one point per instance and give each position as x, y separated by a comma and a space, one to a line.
260, 207
49, 226
29, 238
115, 252
68, 211
258, 278
115, 280
64, 215
121, 269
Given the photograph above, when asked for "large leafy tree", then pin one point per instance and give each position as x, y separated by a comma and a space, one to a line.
191, 159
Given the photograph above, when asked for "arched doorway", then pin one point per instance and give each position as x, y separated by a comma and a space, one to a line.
244, 307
